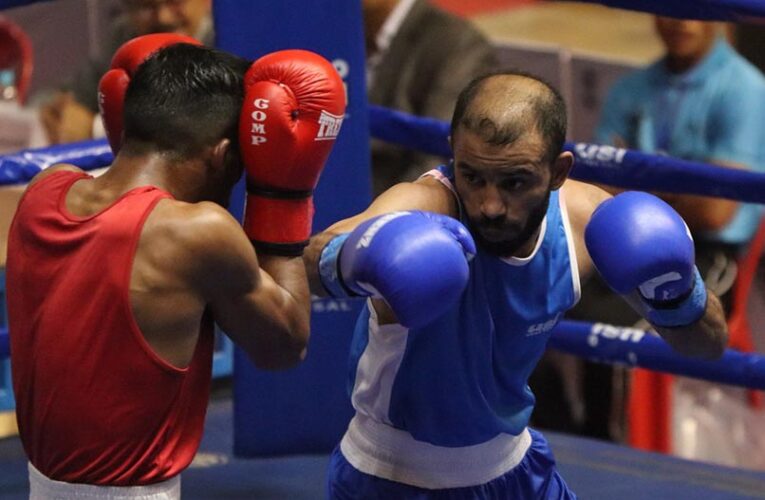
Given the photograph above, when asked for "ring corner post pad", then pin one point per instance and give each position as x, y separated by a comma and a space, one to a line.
306, 409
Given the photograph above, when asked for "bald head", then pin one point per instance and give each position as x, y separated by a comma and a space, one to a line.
501, 107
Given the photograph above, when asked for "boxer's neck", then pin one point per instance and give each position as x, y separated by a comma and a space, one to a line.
185, 180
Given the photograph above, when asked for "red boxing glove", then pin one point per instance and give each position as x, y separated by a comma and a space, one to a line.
114, 83
293, 108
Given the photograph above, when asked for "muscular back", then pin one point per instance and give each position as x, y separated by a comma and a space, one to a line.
166, 303
166, 295
194, 256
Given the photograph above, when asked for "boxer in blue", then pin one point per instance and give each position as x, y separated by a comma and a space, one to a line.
459, 315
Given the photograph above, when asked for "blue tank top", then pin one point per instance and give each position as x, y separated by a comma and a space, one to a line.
462, 379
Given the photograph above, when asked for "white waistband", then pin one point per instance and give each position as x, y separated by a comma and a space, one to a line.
43, 488
383, 451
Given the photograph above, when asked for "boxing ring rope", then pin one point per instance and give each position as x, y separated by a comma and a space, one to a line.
20, 167
598, 163
594, 163
633, 347
630, 347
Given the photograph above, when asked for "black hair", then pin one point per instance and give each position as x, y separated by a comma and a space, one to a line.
547, 104
184, 98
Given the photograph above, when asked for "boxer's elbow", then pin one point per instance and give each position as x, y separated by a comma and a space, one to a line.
288, 354
276, 363
714, 327
709, 346
706, 339
718, 342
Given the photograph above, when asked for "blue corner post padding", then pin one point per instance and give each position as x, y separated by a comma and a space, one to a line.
306, 409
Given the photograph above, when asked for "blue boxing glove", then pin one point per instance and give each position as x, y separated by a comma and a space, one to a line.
637, 241
416, 261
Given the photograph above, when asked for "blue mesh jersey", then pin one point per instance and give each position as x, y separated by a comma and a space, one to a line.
462, 380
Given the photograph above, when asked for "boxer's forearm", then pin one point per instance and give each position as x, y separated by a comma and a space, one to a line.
290, 308
311, 258
312, 253
706, 338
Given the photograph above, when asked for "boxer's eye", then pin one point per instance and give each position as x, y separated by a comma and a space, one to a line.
514, 183
470, 178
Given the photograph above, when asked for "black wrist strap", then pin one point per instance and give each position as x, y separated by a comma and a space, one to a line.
282, 249
282, 194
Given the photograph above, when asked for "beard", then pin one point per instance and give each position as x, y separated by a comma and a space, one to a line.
517, 236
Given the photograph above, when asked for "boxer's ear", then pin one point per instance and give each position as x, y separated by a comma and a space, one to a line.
219, 154
560, 169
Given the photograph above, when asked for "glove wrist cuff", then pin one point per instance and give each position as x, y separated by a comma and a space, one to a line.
329, 269
274, 223
680, 313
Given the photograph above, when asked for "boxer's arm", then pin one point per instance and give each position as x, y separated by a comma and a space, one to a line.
704, 338
580, 200
263, 306
425, 194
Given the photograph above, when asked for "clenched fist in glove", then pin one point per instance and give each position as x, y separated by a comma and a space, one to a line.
293, 107
114, 83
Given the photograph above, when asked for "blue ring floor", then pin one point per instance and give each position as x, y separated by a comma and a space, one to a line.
593, 469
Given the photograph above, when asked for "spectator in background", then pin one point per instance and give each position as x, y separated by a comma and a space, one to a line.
704, 102
19, 127
418, 59
70, 114
701, 101
750, 43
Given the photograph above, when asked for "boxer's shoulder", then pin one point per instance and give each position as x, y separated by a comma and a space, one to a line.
193, 239
427, 193
189, 222
580, 201
61, 167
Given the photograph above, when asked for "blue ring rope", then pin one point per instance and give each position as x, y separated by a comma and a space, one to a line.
630, 347
634, 347
594, 163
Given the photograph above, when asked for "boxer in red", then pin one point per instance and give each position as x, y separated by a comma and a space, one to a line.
115, 281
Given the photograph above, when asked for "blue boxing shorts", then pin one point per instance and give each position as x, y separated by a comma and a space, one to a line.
535, 477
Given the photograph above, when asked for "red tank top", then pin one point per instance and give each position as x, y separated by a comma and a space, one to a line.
95, 404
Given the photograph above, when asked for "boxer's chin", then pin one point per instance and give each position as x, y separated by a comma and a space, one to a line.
513, 238
497, 248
